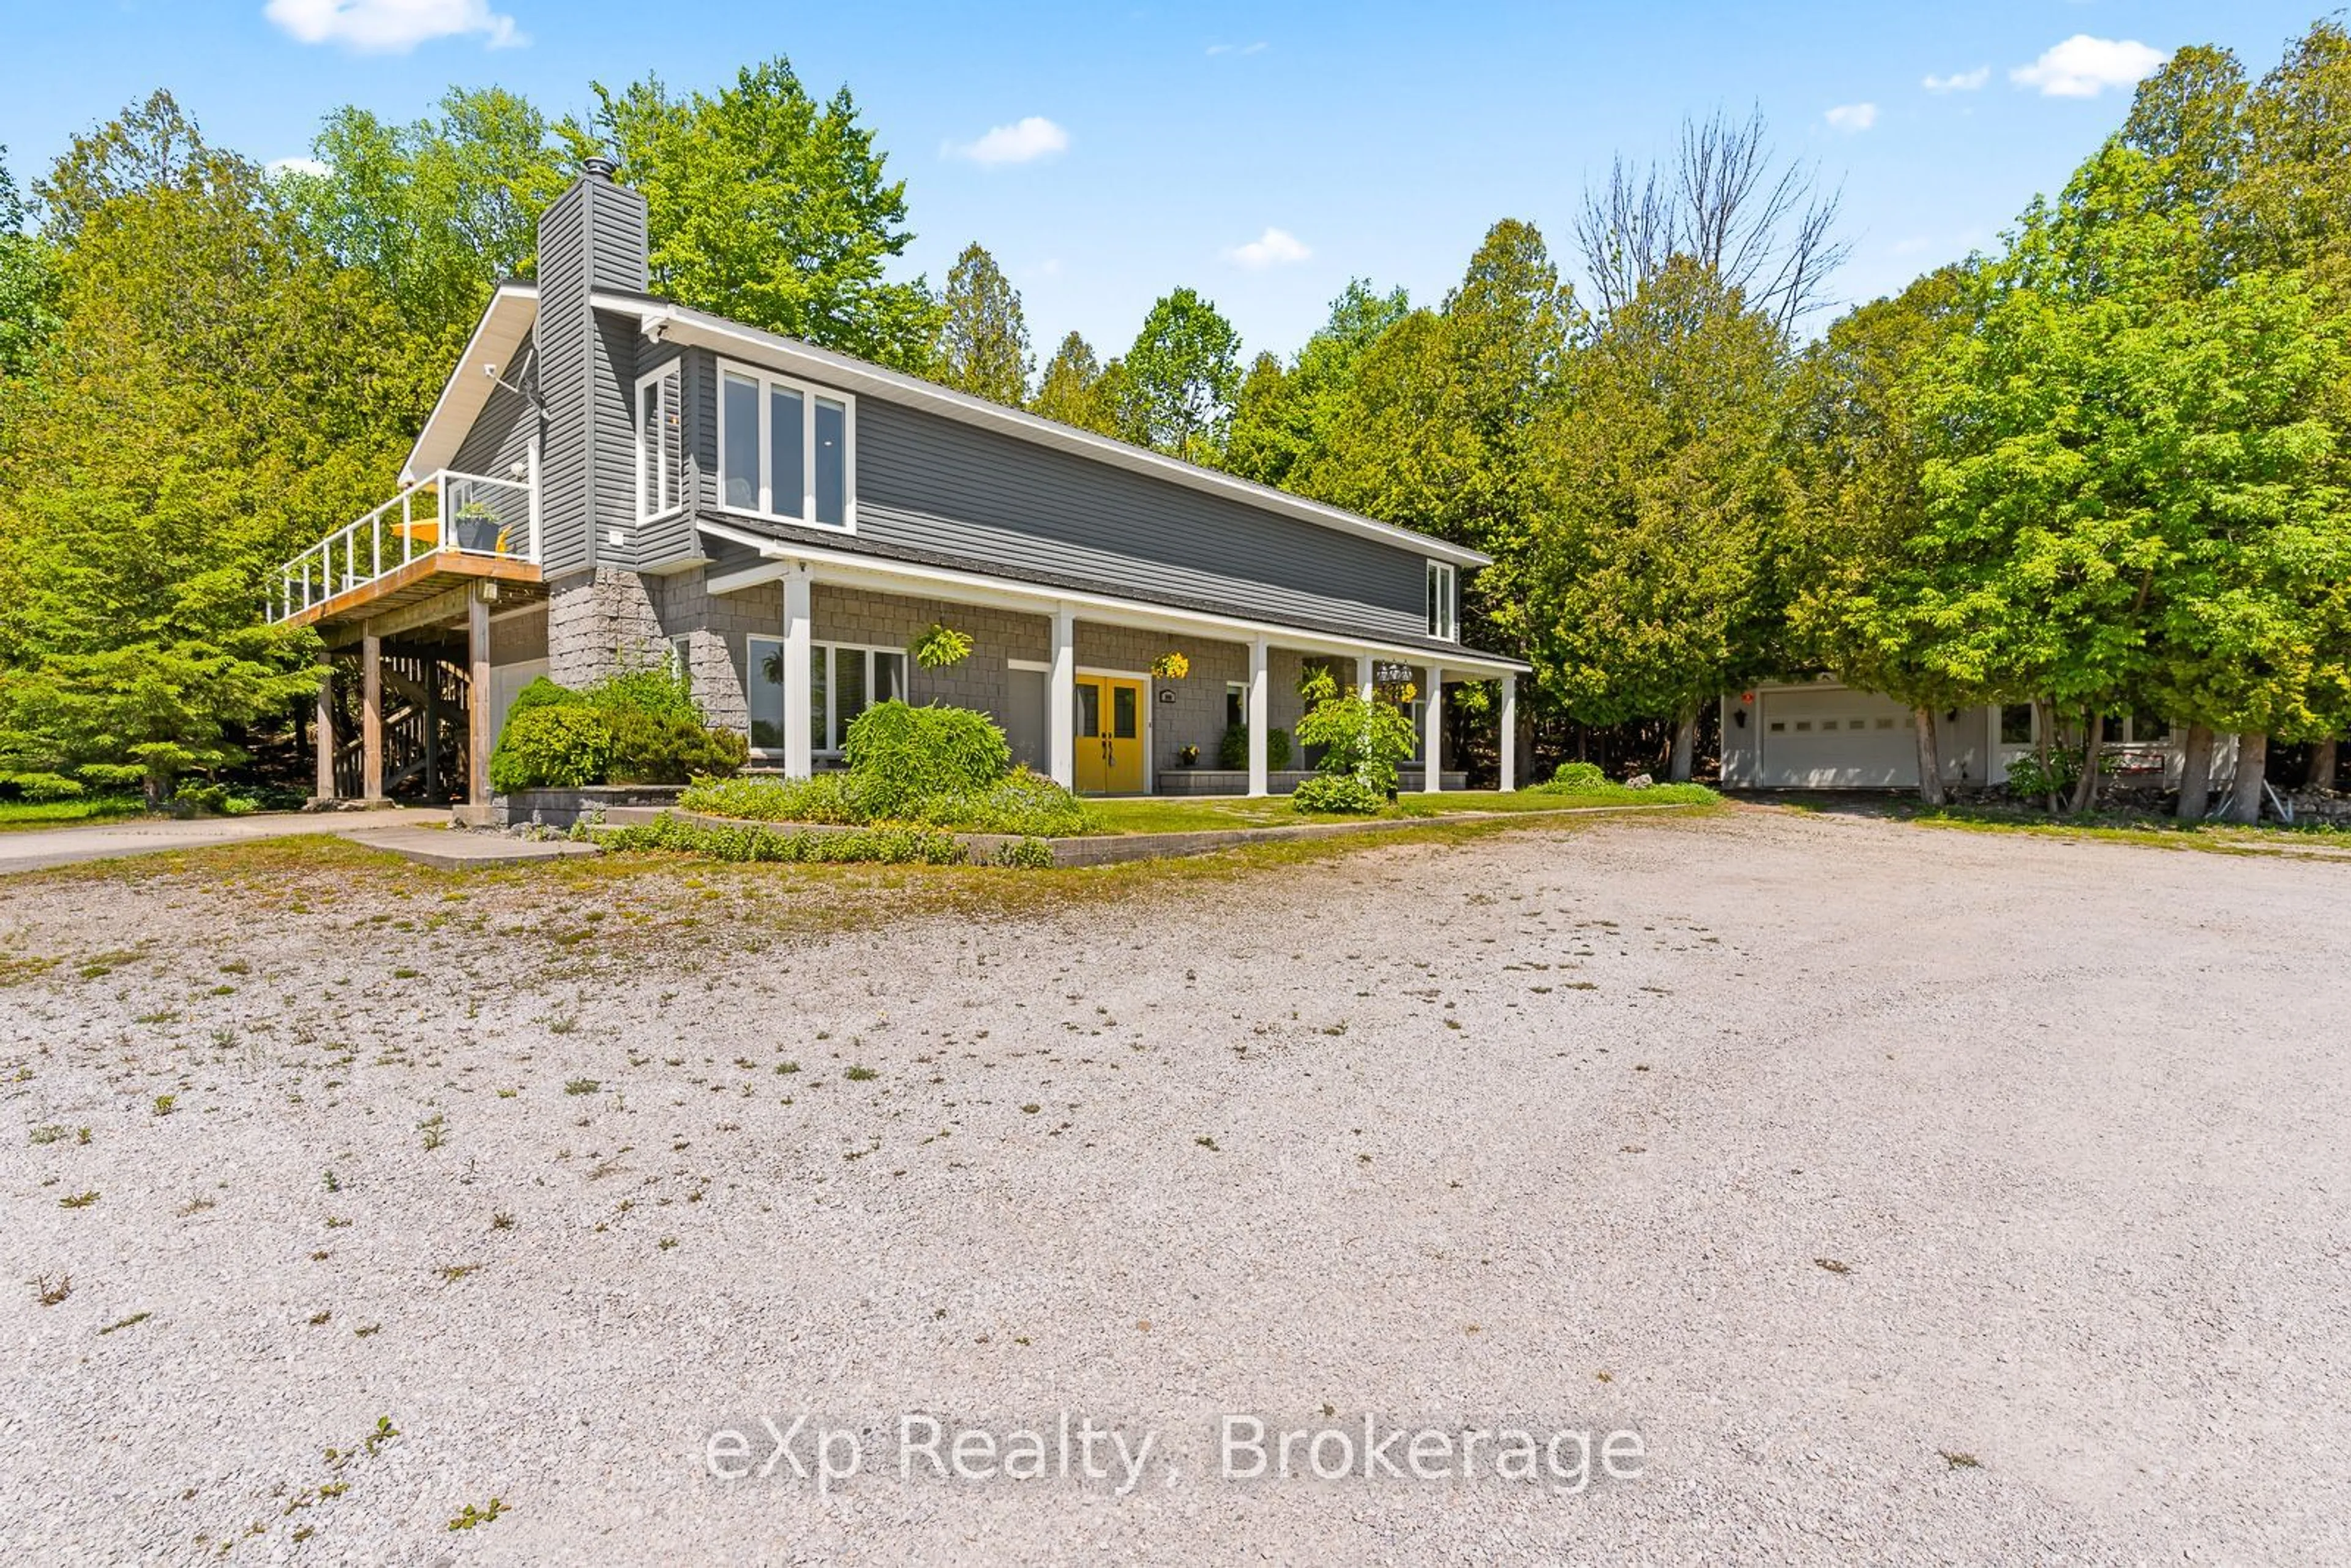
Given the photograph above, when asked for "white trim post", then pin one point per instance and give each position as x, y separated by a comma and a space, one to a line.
1363, 676
1062, 700
799, 651
1509, 737
1432, 732
1260, 714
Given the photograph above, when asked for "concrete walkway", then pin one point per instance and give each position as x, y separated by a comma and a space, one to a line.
42, 847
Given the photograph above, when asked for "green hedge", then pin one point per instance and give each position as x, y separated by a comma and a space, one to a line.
1020, 803
905, 754
751, 842
1574, 778
1338, 792
639, 727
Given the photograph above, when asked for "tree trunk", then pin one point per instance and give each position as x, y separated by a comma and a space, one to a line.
2044, 745
1685, 746
2322, 767
2194, 774
2085, 789
2252, 761
1930, 759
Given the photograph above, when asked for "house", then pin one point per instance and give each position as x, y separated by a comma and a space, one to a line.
1820, 735
609, 478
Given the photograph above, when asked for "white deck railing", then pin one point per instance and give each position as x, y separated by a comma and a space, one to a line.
444, 513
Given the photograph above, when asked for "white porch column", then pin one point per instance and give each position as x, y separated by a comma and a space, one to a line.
1363, 676
1062, 700
1432, 732
1509, 738
799, 654
1260, 714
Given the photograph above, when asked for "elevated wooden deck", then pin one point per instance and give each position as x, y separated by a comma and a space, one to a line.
431, 589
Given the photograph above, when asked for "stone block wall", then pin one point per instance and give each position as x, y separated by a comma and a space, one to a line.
597, 621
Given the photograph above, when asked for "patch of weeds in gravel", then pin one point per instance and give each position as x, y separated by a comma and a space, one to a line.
469, 1516
435, 1130
48, 1134
860, 1075
502, 1221
581, 1086
48, 1291
164, 1102
1834, 1265
452, 1272
195, 1205
1952, 1461
79, 1200
134, 1319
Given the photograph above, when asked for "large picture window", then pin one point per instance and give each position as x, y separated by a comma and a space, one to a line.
844, 680
785, 449
1443, 619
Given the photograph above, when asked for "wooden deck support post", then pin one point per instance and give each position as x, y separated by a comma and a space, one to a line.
478, 699
370, 717
323, 732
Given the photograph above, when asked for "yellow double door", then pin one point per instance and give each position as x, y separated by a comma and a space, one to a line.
1110, 735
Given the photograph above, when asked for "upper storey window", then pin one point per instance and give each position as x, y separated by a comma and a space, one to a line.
1444, 615
786, 449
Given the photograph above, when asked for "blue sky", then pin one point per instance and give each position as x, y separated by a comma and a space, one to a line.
1260, 153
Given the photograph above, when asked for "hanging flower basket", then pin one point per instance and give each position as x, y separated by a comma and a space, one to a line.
941, 647
1171, 666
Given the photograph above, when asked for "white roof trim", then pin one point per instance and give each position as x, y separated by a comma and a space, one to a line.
971, 587
857, 375
495, 337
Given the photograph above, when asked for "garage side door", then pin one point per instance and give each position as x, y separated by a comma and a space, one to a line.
1832, 738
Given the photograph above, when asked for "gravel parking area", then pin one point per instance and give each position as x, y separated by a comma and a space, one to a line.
1914, 1195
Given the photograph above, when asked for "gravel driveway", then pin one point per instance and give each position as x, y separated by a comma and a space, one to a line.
1912, 1195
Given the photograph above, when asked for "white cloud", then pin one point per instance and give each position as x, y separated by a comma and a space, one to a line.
1022, 142
1852, 117
393, 26
1256, 48
310, 166
2084, 66
1958, 81
1275, 248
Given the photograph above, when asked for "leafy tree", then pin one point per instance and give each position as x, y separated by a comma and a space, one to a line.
983, 343
772, 209
438, 210
29, 283
1077, 389
1286, 415
1180, 377
1654, 586
1859, 447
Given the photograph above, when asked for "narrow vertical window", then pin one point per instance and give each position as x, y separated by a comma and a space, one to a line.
738, 419
831, 461
1442, 621
660, 442
787, 450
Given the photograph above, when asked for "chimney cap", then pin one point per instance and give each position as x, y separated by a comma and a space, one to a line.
597, 168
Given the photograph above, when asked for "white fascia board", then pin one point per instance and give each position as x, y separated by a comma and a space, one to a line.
676, 323
851, 570
496, 336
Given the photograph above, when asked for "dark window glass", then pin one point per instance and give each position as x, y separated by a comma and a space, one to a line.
831, 461
788, 485
1123, 725
2016, 725
739, 465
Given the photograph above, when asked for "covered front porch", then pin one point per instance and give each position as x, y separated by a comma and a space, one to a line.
1082, 683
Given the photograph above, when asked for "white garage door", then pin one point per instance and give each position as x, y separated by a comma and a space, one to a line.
1827, 738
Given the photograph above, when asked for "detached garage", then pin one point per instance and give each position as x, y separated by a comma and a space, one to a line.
1822, 735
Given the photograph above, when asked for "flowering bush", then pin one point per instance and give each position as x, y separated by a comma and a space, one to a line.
1171, 666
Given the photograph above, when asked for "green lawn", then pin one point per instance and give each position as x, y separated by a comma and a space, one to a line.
85, 809
1176, 814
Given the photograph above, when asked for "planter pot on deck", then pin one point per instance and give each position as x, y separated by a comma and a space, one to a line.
479, 535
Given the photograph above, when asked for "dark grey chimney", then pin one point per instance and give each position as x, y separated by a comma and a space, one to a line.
591, 240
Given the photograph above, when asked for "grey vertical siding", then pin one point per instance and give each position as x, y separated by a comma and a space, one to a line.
501, 434
610, 387
592, 237
668, 543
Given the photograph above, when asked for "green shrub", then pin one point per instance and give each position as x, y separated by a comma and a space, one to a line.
1029, 854
823, 798
1362, 741
1574, 778
553, 746
669, 749
907, 753
543, 693
1020, 802
654, 689
1232, 752
1338, 792
752, 842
